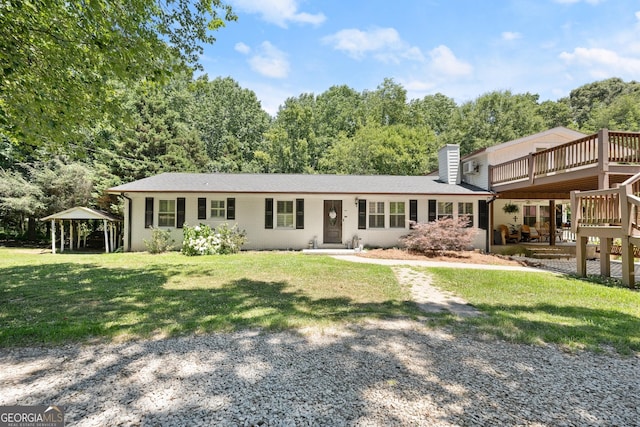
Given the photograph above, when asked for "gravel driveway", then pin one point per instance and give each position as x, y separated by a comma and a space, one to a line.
376, 374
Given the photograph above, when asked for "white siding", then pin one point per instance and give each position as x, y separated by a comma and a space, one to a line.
250, 213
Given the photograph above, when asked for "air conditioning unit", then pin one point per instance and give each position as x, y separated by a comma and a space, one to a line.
470, 168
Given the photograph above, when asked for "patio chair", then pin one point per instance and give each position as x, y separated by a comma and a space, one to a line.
543, 230
529, 234
507, 235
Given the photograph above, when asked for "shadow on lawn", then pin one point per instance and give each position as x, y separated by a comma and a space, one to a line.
70, 301
570, 325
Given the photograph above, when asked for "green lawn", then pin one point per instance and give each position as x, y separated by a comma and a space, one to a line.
545, 308
48, 299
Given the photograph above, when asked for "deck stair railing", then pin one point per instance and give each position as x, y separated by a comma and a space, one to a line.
609, 214
615, 148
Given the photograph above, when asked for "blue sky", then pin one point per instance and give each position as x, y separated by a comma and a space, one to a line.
461, 48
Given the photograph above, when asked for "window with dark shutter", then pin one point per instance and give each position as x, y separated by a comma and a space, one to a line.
413, 212
268, 213
300, 214
362, 214
148, 212
231, 208
180, 215
202, 208
432, 210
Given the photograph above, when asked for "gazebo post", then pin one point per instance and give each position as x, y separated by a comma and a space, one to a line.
61, 235
53, 236
106, 236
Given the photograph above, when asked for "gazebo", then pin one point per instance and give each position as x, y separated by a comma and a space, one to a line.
80, 213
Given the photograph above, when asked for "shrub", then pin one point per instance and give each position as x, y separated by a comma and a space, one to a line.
440, 236
160, 241
204, 240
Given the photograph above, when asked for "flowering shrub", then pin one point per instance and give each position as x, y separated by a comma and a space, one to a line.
440, 236
204, 240
160, 241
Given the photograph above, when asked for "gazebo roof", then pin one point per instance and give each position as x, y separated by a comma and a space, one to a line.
80, 212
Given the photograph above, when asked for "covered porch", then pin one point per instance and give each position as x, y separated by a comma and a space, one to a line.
81, 214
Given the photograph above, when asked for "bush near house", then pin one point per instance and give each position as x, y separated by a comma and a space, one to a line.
204, 240
160, 241
436, 237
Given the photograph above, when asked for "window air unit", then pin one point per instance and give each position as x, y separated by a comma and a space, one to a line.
470, 168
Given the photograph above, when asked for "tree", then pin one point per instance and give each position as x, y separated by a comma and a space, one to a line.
623, 113
435, 111
555, 113
383, 150
494, 118
387, 104
586, 98
60, 59
230, 121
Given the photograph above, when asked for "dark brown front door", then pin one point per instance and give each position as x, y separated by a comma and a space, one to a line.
332, 221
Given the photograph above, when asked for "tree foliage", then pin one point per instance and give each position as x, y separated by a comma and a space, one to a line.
60, 59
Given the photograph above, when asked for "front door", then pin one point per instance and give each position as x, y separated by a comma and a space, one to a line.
332, 221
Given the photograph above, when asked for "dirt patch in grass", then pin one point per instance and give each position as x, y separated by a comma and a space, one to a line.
471, 257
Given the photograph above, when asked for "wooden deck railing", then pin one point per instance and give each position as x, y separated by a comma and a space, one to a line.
617, 207
600, 148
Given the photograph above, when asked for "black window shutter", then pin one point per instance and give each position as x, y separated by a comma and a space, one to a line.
483, 215
202, 208
231, 208
268, 213
362, 214
300, 214
413, 212
180, 217
432, 210
148, 212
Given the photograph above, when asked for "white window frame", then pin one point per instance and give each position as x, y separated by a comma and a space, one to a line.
375, 213
284, 218
220, 209
166, 213
463, 211
397, 219
442, 213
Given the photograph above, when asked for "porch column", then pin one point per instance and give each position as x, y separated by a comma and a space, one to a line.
53, 236
552, 222
605, 256
106, 236
71, 235
581, 255
603, 159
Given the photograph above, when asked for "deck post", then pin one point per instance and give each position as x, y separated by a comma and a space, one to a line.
581, 255
628, 273
605, 256
532, 169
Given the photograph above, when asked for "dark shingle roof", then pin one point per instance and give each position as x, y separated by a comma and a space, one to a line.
293, 183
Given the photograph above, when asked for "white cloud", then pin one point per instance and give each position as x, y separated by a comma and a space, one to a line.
602, 62
509, 35
384, 43
279, 12
242, 48
445, 63
270, 61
